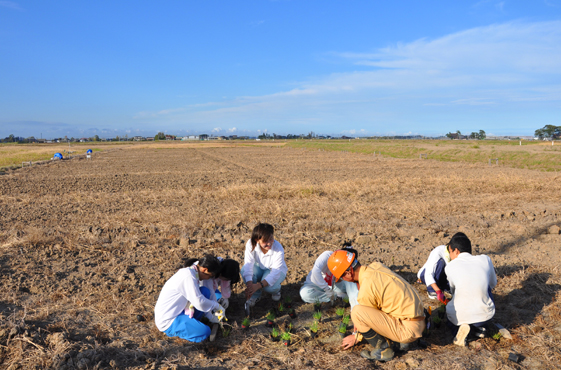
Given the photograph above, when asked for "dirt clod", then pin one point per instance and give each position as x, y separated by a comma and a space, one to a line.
554, 229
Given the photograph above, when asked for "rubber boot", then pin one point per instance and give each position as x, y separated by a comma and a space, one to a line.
382, 350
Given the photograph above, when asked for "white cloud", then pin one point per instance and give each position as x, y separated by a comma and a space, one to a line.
256, 23
233, 129
472, 101
216, 129
494, 67
10, 5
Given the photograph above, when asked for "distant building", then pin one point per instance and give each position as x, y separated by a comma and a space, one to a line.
203, 137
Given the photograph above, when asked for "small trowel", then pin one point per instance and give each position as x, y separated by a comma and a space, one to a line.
504, 332
247, 309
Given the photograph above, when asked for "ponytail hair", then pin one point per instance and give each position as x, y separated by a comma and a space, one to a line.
229, 270
261, 231
209, 262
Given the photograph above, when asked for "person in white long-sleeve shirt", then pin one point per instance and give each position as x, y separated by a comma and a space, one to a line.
471, 280
183, 303
320, 286
264, 267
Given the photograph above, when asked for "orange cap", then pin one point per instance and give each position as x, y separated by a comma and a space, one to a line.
339, 262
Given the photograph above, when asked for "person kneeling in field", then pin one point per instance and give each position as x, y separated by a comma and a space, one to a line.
432, 273
388, 309
221, 286
471, 280
182, 303
264, 266
320, 287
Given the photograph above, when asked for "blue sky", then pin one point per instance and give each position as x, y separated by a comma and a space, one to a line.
360, 68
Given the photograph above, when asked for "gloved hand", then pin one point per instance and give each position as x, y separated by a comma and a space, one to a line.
213, 319
190, 311
220, 313
220, 308
224, 302
329, 293
441, 297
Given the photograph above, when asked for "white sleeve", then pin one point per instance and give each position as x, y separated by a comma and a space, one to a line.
209, 283
277, 266
317, 271
430, 266
249, 261
190, 290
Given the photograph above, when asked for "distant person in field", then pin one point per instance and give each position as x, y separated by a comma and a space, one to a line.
432, 273
471, 280
320, 285
182, 303
264, 267
220, 286
389, 312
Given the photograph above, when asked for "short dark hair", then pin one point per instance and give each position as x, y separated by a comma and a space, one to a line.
230, 270
460, 242
209, 262
261, 231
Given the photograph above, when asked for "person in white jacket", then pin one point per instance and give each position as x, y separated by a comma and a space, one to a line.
471, 280
183, 303
221, 286
264, 267
320, 286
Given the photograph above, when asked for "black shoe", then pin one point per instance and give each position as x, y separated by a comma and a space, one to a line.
403, 347
479, 332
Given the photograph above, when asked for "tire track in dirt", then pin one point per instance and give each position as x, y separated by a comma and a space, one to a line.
252, 170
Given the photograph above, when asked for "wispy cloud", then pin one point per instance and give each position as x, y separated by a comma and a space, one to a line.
472, 101
256, 23
492, 67
10, 5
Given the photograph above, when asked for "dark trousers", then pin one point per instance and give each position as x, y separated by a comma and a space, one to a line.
439, 277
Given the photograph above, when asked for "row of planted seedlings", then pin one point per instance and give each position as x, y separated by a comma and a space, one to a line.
345, 319
340, 312
278, 333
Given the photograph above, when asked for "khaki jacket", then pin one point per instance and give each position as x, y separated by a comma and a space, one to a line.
383, 289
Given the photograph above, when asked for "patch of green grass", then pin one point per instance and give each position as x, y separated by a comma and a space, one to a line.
530, 155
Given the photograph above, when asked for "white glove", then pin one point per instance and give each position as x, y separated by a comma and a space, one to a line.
190, 311
224, 302
213, 319
220, 313
219, 308
329, 293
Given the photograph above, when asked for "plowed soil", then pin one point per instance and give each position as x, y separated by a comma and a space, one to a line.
86, 245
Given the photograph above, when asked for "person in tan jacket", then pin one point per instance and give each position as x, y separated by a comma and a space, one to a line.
389, 308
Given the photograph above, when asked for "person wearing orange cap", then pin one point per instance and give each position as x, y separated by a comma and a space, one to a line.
389, 309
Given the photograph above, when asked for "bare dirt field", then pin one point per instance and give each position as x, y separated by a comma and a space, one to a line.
86, 245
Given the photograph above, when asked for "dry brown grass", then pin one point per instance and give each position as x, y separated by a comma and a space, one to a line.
85, 247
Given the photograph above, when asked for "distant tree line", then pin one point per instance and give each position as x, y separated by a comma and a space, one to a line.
548, 131
481, 135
